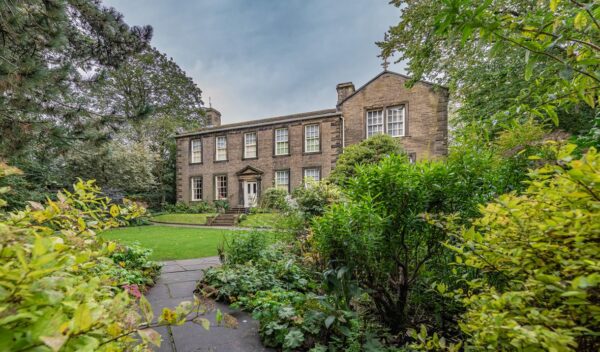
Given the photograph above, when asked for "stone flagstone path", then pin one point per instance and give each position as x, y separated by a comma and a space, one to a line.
176, 283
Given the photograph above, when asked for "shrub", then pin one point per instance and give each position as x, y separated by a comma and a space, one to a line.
51, 294
199, 207
134, 267
274, 199
314, 197
245, 247
221, 205
538, 255
368, 152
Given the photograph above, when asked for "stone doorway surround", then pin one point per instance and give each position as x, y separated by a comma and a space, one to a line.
248, 174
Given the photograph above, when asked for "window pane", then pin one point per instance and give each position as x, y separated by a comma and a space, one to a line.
282, 146
196, 150
374, 122
282, 179
196, 185
312, 173
395, 121
220, 187
221, 148
311, 139
250, 145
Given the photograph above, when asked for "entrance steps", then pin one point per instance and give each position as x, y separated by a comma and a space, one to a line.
229, 218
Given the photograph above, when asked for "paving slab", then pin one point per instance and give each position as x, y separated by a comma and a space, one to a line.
176, 284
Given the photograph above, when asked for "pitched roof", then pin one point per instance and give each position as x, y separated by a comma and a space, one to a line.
381, 74
265, 122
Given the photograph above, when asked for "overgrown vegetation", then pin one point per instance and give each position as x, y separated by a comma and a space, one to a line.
63, 288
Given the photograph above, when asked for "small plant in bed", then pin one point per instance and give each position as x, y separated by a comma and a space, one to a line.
133, 266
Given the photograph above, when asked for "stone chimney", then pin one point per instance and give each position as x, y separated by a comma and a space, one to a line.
344, 90
213, 117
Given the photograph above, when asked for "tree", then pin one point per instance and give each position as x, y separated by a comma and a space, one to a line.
509, 59
155, 99
50, 53
369, 151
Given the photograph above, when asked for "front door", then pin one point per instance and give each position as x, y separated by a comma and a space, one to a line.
250, 194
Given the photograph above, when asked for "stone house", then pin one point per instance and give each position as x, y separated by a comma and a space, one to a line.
235, 162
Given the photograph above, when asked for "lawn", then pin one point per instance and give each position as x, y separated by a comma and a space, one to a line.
191, 219
169, 243
261, 220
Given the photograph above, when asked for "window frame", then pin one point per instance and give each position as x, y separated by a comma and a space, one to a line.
193, 188
304, 169
275, 141
387, 120
244, 156
289, 179
191, 151
384, 109
217, 149
383, 120
216, 187
304, 138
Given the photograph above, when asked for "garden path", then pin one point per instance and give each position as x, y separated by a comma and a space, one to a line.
176, 284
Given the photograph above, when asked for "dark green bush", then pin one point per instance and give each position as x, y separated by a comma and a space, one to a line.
199, 207
245, 247
368, 152
314, 197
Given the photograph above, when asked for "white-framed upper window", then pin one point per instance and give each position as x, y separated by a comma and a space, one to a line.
221, 148
313, 173
312, 141
250, 145
282, 141
395, 121
196, 150
221, 187
282, 179
196, 188
374, 122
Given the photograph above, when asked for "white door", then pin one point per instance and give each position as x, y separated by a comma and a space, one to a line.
250, 194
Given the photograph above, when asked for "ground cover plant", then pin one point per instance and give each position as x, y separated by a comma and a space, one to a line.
171, 243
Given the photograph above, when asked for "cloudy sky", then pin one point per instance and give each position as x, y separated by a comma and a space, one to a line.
265, 58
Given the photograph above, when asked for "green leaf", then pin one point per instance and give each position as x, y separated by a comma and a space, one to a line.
151, 336
329, 321
146, 309
54, 342
205, 323
554, 5
219, 317
82, 320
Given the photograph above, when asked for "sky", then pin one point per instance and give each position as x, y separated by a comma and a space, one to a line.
264, 58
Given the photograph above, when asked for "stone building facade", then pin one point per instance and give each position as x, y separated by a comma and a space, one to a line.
236, 162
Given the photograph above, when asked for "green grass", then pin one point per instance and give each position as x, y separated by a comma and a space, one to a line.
260, 220
169, 243
192, 219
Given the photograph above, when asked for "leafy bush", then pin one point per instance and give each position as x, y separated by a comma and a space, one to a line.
538, 256
314, 197
134, 267
245, 247
51, 294
274, 199
199, 207
368, 152
266, 267
221, 205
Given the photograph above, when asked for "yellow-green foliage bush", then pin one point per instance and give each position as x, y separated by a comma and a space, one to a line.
539, 258
51, 298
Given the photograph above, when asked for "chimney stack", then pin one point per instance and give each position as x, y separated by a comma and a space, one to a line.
213, 117
344, 90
